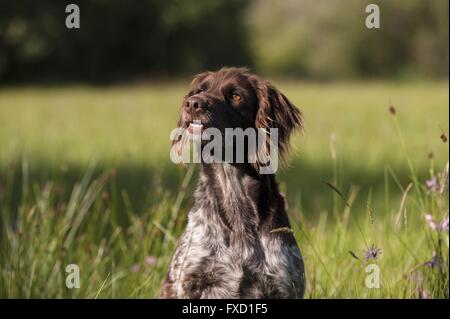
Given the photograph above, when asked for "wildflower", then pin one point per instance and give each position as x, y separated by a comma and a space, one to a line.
434, 262
432, 184
372, 253
443, 225
150, 261
430, 221
424, 294
135, 268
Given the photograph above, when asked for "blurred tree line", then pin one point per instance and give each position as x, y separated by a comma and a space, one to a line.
328, 38
120, 40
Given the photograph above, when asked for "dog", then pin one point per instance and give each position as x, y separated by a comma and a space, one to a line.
238, 242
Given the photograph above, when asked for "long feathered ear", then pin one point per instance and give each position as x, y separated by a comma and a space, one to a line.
276, 111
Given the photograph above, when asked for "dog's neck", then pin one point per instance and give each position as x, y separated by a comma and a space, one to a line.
244, 201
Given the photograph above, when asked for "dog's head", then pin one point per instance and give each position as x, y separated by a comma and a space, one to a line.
235, 98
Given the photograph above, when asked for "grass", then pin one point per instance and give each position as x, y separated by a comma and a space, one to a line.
85, 178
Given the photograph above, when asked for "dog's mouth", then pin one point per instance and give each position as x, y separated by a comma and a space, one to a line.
195, 127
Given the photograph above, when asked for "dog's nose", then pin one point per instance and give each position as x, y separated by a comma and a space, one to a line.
194, 104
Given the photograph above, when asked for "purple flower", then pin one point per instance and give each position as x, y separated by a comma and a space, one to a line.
443, 225
432, 184
372, 253
434, 262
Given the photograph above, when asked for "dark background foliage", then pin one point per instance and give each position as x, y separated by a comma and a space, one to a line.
121, 40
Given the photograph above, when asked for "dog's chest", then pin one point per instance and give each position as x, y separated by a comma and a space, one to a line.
212, 264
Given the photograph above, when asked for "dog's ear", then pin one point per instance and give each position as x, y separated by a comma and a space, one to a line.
276, 111
199, 78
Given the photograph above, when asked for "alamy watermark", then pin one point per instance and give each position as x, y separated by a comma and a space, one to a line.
373, 278
73, 17
258, 146
373, 18
73, 277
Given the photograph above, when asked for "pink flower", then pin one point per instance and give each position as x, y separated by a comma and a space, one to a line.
424, 294
150, 261
432, 184
430, 221
443, 225
135, 268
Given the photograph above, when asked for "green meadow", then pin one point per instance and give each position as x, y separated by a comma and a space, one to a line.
86, 179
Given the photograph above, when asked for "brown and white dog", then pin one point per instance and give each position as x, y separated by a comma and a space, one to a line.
237, 242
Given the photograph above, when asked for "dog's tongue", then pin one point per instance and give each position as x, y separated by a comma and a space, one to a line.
195, 127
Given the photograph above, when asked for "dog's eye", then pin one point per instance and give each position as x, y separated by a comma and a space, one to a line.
201, 89
236, 97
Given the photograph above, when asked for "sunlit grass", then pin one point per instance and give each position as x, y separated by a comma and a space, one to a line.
85, 178
77, 123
